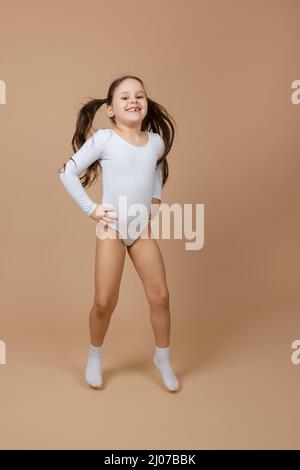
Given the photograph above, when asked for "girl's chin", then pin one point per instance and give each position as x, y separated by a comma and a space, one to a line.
136, 118
128, 113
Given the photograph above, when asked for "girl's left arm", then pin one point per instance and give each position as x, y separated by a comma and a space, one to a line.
158, 179
157, 190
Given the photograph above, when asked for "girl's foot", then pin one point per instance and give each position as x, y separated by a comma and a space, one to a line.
162, 361
93, 374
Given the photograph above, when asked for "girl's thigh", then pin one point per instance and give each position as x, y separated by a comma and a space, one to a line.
109, 263
148, 262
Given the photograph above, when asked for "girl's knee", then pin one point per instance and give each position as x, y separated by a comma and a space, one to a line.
159, 297
104, 305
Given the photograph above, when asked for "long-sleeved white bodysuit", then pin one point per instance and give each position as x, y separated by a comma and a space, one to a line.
127, 170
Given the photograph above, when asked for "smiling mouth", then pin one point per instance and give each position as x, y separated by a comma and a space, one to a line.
135, 110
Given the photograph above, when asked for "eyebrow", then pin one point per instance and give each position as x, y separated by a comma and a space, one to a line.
140, 91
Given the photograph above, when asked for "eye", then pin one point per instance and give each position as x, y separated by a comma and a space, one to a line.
125, 97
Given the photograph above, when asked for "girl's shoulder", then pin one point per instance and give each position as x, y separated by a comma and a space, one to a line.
103, 131
102, 134
159, 141
156, 138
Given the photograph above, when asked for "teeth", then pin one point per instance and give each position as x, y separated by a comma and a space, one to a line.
132, 110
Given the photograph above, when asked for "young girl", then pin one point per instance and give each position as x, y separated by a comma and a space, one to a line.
132, 157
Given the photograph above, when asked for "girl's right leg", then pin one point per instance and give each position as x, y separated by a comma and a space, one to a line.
109, 263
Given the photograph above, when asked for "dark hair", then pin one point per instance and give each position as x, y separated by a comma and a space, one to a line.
157, 120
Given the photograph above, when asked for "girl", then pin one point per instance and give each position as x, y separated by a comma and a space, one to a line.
132, 157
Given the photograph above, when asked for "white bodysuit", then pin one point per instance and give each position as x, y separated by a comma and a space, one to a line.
127, 170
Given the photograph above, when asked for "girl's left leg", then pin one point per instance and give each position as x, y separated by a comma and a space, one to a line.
148, 262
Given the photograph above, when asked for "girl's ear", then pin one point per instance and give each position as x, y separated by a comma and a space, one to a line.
109, 111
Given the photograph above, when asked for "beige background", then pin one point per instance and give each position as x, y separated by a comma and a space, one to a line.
224, 70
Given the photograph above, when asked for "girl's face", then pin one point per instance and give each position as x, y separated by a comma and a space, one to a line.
129, 104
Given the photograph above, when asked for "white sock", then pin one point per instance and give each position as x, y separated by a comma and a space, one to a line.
93, 368
162, 361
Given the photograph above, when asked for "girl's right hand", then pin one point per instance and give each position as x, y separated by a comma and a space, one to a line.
105, 212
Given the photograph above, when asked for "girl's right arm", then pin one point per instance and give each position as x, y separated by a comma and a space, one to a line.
88, 153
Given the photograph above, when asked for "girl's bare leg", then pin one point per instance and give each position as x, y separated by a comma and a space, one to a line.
109, 263
147, 259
